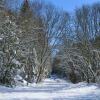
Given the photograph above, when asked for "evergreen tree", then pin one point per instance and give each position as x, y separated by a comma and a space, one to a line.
8, 47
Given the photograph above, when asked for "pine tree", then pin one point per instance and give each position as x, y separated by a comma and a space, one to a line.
35, 43
8, 45
25, 22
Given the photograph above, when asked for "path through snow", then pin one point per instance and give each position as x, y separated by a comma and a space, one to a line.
51, 89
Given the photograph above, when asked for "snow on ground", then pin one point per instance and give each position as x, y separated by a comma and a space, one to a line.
51, 89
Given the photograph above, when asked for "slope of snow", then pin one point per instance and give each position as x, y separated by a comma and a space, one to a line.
51, 89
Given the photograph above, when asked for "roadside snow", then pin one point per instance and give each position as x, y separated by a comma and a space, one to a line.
51, 89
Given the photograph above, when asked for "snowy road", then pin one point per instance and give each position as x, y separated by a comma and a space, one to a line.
51, 89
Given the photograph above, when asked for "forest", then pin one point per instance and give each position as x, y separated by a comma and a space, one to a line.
38, 40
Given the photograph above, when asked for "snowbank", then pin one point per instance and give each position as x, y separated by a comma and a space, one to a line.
51, 89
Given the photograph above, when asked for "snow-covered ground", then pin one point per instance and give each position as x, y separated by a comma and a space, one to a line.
51, 89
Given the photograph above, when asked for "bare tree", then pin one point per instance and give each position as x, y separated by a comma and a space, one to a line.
85, 33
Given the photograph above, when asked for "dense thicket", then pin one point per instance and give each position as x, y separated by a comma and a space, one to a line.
36, 39
79, 55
